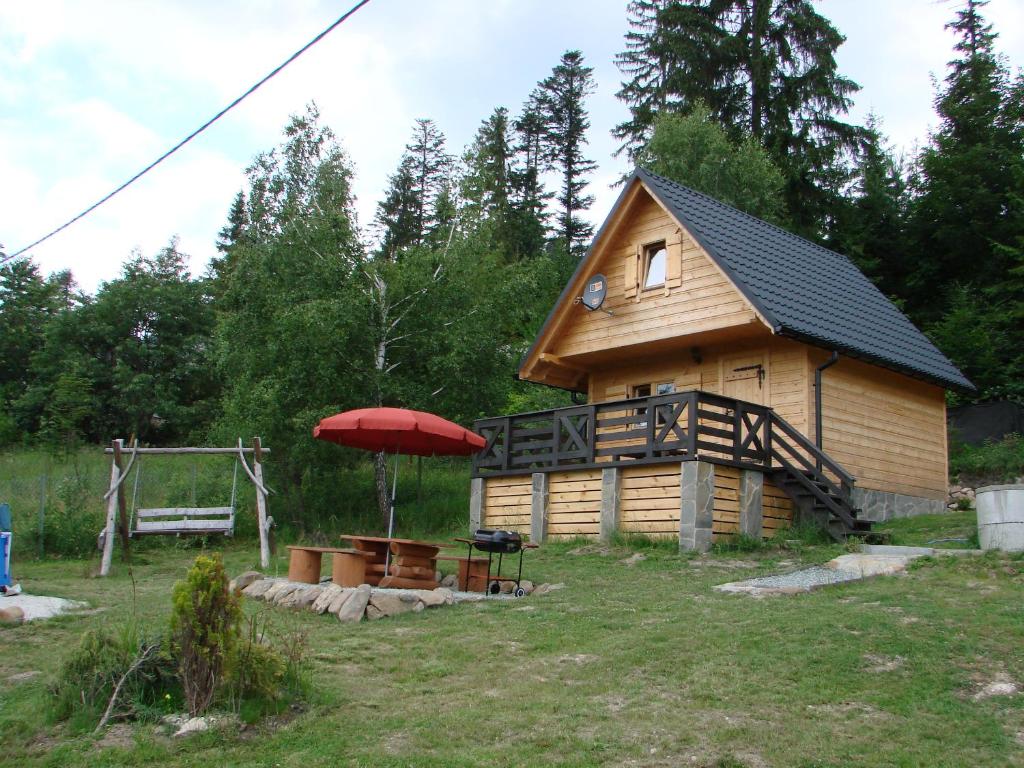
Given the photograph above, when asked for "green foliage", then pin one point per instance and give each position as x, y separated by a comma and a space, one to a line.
204, 630
740, 542
89, 675
765, 69
696, 151
996, 462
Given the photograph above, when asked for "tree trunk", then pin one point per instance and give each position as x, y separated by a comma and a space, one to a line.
380, 476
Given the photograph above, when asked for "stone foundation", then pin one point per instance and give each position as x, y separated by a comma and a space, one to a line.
879, 506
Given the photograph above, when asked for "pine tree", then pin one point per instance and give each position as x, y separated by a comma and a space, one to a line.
408, 215
561, 103
870, 226
765, 68
967, 178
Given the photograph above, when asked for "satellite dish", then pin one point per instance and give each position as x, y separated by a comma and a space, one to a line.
594, 293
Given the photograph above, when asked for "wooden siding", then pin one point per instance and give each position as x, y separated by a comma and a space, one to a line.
706, 299
886, 429
777, 509
507, 503
785, 385
574, 503
726, 520
649, 500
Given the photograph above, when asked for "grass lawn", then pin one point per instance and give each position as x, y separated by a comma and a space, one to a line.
628, 665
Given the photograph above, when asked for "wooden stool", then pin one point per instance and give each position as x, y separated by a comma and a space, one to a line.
348, 568
304, 564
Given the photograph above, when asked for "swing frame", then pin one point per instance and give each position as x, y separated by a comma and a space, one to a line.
186, 520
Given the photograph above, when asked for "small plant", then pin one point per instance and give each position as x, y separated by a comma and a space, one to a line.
204, 630
739, 542
119, 675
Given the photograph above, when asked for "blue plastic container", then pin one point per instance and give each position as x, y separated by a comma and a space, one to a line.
5, 559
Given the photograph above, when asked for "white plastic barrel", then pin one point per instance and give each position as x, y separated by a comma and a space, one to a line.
1001, 517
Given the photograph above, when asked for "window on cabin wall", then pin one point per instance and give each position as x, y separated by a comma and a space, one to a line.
655, 258
645, 390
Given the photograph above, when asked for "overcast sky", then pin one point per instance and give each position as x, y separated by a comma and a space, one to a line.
92, 92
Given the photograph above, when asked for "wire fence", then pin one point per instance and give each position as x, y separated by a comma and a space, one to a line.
58, 507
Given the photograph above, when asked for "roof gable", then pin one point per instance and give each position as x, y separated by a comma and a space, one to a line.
804, 290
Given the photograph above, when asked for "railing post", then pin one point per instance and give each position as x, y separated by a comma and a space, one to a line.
591, 434
556, 437
652, 427
768, 432
692, 425
737, 428
506, 457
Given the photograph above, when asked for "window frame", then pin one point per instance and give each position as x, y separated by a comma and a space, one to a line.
650, 250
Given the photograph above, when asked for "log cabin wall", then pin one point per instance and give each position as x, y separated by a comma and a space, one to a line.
785, 386
574, 503
506, 503
887, 429
696, 296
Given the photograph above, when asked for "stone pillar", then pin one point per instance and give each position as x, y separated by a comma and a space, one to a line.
696, 507
477, 489
610, 483
539, 508
751, 499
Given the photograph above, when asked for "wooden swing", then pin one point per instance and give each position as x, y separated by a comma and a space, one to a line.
179, 521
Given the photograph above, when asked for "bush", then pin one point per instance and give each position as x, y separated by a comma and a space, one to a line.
994, 461
204, 630
89, 676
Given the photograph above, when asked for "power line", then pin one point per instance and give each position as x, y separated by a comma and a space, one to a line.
341, 20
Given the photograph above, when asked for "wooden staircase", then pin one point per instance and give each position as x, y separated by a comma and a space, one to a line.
821, 489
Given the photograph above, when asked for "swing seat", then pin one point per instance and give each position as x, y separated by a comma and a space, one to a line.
184, 521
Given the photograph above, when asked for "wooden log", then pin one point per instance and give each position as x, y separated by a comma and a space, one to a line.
414, 562
413, 550
261, 502
348, 569
412, 571
304, 565
122, 509
193, 450
108, 535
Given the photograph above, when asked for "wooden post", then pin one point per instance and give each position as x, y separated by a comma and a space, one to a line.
122, 511
108, 529
261, 504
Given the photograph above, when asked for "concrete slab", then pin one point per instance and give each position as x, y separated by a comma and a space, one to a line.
40, 606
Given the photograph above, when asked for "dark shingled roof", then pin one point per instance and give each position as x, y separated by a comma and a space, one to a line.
803, 290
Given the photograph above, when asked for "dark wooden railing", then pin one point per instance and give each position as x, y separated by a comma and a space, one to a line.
655, 429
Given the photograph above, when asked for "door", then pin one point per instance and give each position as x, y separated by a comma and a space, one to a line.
744, 377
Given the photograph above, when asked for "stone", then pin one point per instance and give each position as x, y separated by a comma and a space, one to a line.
355, 606
271, 594
339, 600
308, 596
545, 589
324, 599
373, 613
243, 580
259, 588
633, 559
393, 603
527, 586
435, 597
451, 581
281, 593
12, 615
538, 507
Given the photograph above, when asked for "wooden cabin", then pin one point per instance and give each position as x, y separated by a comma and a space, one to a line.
735, 378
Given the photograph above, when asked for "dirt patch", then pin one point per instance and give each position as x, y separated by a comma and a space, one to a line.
876, 663
117, 736
590, 549
576, 658
21, 677
1001, 685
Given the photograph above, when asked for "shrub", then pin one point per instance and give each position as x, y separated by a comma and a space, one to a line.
204, 630
994, 461
105, 659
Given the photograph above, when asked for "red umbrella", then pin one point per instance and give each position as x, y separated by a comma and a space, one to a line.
398, 431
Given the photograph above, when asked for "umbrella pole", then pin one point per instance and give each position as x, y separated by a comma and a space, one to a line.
391, 517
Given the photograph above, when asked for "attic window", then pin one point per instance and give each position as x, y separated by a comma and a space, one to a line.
654, 265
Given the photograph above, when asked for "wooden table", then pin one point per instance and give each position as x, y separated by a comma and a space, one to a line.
348, 568
413, 565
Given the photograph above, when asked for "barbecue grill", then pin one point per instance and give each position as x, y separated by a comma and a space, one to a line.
500, 543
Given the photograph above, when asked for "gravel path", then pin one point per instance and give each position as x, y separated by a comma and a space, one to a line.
808, 578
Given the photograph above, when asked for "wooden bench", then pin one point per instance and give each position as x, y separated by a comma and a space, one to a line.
348, 567
473, 572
